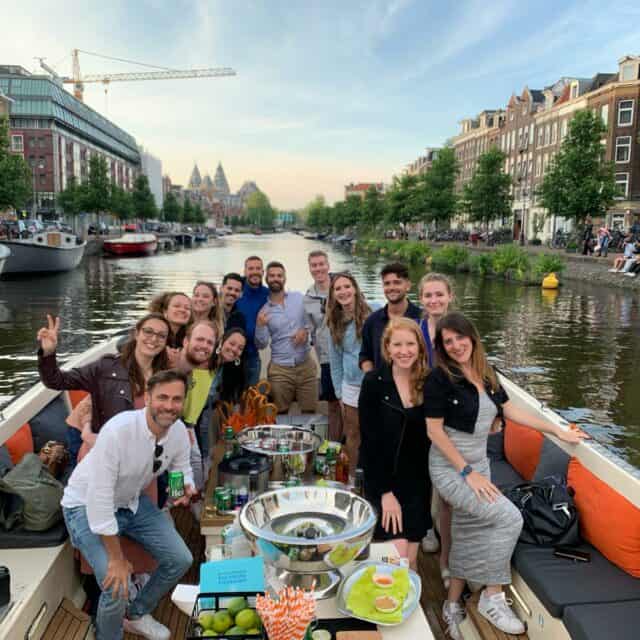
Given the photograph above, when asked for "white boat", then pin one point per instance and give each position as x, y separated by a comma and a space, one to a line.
41, 578
5, 252
43, 251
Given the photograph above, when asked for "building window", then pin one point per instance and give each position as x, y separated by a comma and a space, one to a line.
538, 167
623, 148
17, 143
43, 179
554, 132
531, 134
540, 136
41, 163
625, 113
604, 114
547, 135
629, 72
622, 185
574, 91
563, 129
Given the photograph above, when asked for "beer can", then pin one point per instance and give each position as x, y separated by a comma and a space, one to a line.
217, 498
283, 446
292, 482
242, 497
227, 500
176, 484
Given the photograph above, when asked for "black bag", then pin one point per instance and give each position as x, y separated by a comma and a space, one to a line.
549, 512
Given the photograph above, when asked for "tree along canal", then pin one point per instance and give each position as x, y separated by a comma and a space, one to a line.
577, 349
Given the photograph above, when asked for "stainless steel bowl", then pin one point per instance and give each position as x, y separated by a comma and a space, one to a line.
308, 532
292, 449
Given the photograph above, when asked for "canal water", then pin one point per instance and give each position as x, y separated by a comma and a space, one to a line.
577, 350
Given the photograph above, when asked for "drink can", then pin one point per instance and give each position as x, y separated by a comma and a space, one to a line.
227, 500
242, 497
217, 498
283, 446
292, 482
176, 484
228, 433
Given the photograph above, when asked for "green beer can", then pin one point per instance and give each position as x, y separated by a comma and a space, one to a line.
176, 484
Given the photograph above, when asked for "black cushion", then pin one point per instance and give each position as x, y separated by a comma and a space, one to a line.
554, 461
558, 582
619, 620
50, 424
5, 460
20, 538
495, 446
504, 476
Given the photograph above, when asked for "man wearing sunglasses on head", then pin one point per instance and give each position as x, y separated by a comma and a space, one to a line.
104, 499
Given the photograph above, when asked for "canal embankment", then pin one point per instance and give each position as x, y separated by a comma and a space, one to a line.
527, 264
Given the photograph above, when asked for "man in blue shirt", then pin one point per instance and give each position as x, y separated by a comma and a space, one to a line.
283, 322
254, 297
395, 286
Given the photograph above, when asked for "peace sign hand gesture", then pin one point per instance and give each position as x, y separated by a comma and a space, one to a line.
48, 336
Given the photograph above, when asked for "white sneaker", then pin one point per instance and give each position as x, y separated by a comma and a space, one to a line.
613, 271
430, 543
630, 275
453, 614
147, 627
497, 611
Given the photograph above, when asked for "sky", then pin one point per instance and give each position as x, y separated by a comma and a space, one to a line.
326, 93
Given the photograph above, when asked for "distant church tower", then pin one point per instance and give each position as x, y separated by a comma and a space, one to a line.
195, 182
220, 181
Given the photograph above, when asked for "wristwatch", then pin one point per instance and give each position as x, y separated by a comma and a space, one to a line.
466, 471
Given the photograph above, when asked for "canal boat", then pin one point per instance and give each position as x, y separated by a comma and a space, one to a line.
132, 244
46, 251
5, 252
558, 599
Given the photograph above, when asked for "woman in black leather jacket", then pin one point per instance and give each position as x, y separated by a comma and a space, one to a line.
394, 447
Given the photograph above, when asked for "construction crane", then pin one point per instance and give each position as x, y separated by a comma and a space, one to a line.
78, 80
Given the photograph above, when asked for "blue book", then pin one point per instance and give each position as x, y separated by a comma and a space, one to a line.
232, 576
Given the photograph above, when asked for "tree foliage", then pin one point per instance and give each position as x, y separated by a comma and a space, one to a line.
579, 182
71, 198
372, 209
438, 200
259, 211
198, 214
96, 192
187, 212
15, 173
121, 203
171, 209
403, 200
144, 204
487, 195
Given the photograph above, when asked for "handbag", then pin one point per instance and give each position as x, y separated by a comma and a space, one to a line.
549, 514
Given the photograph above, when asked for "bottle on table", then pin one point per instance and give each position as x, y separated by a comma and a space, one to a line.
358, 489
342, 464
230, 443
253, 484
331, 463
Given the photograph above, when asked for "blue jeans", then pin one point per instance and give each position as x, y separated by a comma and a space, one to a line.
252, 369
154, 530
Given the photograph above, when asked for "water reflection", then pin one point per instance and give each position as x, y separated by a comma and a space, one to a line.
575, 349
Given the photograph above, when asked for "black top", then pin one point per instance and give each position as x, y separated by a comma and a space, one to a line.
373, 329
235, 320
457, 400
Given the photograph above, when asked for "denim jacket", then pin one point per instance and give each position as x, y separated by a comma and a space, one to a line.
343, 360
457, 400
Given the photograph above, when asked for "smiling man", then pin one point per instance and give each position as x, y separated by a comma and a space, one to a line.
104, 499
230, 293
395, 286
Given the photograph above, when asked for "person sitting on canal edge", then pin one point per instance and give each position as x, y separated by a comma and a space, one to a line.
395, 286
104, 500
292, 371
254, 297
315, 303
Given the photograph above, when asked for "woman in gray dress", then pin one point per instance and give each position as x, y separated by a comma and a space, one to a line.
462, 400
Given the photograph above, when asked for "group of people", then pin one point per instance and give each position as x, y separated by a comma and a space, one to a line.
409, 392
629, 262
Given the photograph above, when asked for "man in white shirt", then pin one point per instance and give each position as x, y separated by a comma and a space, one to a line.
104, 499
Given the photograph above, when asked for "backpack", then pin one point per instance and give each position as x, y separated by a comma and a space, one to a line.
30, 496
548, 511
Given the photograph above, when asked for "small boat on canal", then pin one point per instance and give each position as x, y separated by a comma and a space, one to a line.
46, 251
556, 598
132, 244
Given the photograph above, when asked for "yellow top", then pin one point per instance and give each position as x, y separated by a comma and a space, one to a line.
199, 386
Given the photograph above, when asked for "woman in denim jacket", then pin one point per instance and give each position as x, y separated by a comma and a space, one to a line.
346, 312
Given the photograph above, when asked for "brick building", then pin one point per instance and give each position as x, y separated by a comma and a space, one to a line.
360, 189
531, 129
57, 135
422, 163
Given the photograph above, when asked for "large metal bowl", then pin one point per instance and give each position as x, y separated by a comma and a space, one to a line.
309, 531
295, 457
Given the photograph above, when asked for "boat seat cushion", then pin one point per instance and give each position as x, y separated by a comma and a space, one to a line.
20, 443
619, 620
50, 423
558, 582
504, 476
20, 538
522, 448
554, 461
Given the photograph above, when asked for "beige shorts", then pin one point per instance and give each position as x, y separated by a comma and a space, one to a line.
299, 382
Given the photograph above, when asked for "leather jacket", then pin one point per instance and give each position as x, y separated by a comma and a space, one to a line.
106, 380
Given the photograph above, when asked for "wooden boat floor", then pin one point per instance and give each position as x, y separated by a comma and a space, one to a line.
68, 623
433, 596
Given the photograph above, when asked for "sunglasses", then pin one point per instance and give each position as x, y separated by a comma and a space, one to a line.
150, 333
157, 460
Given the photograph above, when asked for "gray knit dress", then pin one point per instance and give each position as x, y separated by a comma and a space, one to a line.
483, 534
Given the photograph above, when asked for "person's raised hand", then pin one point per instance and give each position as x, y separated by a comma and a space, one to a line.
48, 336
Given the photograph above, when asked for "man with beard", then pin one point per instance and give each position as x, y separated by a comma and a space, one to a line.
283, 321
104, 499
254, 297
196, 361
395, 286
230, 292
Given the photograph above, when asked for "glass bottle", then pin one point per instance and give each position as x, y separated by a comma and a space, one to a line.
229, 443
330, 468
358, 489
342, 464
253, 484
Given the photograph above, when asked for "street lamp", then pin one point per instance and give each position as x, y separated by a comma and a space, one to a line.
525, 195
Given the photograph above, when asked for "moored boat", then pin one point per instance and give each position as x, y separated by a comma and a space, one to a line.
5, 252
132, 244
42, 252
